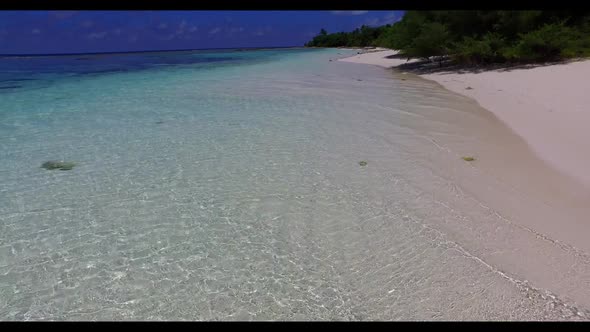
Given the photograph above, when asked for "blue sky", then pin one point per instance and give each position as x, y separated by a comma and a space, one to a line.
30, 32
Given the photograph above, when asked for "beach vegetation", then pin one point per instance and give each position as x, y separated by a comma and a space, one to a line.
476, 37
433, 41
466, 158
363, 163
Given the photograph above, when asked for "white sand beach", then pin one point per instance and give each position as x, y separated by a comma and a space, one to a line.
547, 107
380, 58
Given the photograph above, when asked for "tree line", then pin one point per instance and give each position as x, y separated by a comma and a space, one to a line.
475, 37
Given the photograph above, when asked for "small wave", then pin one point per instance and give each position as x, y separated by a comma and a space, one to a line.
8, 87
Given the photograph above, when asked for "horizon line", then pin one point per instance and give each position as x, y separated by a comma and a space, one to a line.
143, 51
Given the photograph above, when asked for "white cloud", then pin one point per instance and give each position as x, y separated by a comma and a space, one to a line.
234, 30
162, 26
262, 31
214, 30
97, 35
392, 18
35, 31
62, 14
181, 27
117, 31
87, 24
389, 18
170, 36
373, 21
349, 12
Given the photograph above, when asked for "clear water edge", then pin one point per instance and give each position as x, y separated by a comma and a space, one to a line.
232, 191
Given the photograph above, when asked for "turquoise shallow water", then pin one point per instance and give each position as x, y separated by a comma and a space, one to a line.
226, 186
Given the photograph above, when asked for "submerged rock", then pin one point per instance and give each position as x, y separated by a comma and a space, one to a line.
61, 165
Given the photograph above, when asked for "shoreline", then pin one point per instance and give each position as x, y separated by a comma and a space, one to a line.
553, 96
342, 184
541, 199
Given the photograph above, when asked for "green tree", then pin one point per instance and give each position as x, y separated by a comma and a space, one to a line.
433, 41
476, 36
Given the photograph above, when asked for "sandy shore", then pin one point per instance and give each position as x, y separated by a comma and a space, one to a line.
546, 105
384, 58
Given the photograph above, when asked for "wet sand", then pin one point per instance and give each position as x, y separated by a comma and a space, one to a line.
540, 229
532, 100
